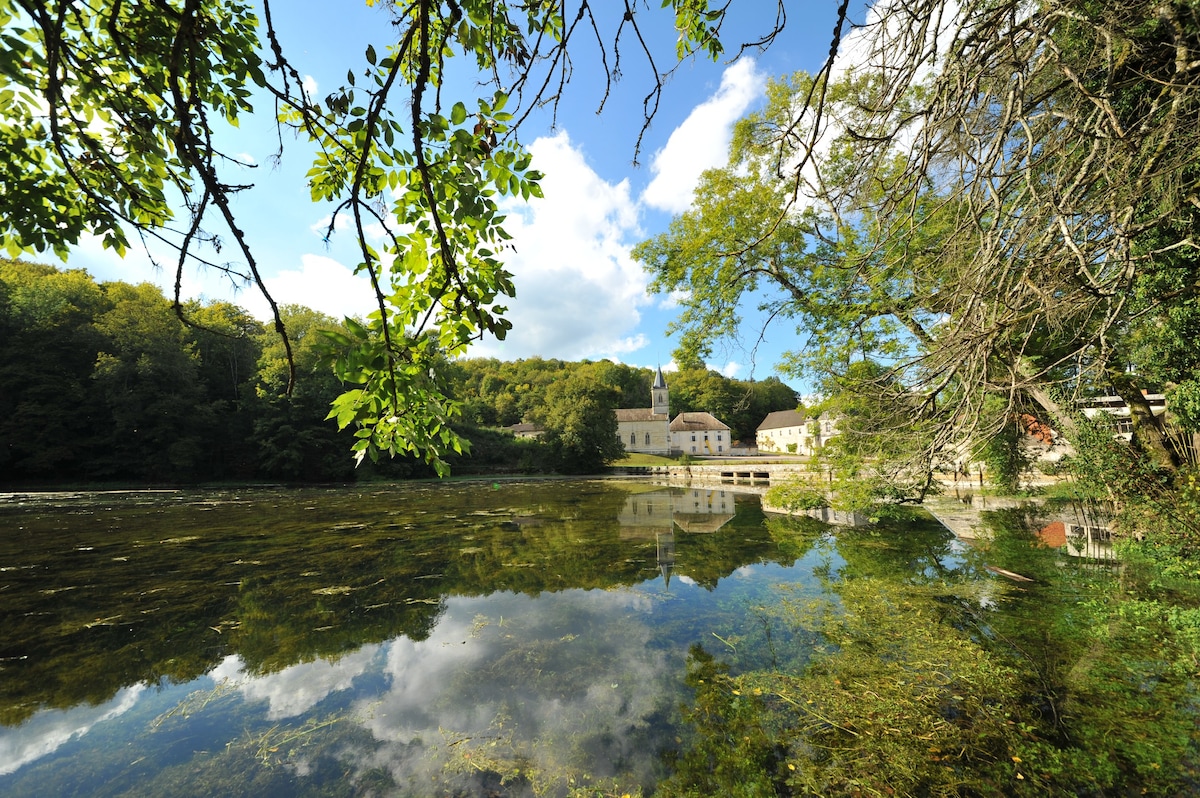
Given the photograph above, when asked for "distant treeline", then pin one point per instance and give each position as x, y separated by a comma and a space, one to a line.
104, 382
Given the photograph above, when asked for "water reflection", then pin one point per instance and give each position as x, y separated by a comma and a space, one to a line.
522, 622
656, 514
507, 639
1070, 528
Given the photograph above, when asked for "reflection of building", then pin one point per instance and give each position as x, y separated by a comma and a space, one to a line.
702, 510
656, 515
1078, 540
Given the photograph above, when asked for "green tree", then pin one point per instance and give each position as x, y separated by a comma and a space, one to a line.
982, 235
581, 427
293, 437
146, 376
48, 347
228, 342
113, 111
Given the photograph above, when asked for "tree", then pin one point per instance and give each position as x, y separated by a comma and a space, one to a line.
48, 347
581, 427
294, 438
981, 204
113, 111
228, 342
147, 381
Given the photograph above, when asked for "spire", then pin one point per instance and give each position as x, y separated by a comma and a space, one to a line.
658, 395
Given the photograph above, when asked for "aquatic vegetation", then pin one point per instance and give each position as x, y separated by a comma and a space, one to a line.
541, 641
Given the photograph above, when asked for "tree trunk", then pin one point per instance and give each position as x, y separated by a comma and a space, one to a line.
1149, 434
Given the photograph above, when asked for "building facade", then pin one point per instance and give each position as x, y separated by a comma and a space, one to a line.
700, 434
792, 432
648, 430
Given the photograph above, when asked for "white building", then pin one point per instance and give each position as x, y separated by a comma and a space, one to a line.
792, 432
700, 434
648, 430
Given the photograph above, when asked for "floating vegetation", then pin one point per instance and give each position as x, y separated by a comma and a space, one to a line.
196, 701
781, 657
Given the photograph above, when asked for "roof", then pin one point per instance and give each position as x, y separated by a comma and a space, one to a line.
639, 414
659, 381
689, 421
782, 418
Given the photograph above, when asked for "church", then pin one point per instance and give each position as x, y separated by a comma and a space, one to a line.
648, 430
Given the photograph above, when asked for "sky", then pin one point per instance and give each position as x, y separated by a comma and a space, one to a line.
579, 293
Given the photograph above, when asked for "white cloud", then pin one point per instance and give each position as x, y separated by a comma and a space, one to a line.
731, 369
578, 290
702, 140
674, 299
299, 688
321, 283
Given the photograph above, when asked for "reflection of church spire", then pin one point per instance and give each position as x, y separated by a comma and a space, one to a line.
666, 554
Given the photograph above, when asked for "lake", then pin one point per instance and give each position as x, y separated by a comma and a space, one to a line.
550, 638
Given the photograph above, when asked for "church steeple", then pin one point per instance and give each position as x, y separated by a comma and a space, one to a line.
658, 394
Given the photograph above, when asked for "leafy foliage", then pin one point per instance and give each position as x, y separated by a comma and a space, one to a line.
114, 111
995, 203
112, 386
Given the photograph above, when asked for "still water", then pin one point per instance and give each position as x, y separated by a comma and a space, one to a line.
466, 639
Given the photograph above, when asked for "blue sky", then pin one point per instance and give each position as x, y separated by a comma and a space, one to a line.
579, 294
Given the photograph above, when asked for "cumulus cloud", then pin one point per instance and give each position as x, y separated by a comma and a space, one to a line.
579, 292
702, 141
578, 289
297, 689
321, 283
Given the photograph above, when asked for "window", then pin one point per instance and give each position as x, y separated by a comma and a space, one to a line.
633, 439
693, 438
647, 438
718, 436
693, 450
720, 448
706, 436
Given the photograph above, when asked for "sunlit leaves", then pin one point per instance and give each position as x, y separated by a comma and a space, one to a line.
112, 110
94, 99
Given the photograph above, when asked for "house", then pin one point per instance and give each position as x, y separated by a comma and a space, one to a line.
794, 432
648, 430
780, 430
526, 430
700, 433
1115, 406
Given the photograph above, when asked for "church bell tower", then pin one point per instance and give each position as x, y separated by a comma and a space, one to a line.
658, 395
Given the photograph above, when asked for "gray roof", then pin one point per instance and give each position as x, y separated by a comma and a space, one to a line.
639, 414
659, 381
698, 421
782, 418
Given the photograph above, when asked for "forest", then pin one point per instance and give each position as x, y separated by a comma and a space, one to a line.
103, 382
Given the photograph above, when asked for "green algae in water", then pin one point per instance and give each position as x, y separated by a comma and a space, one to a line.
564, 638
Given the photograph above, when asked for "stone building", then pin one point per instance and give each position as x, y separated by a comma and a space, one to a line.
648, 430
